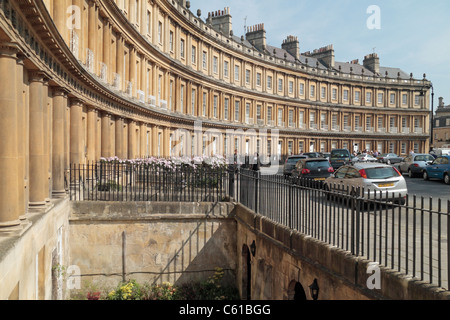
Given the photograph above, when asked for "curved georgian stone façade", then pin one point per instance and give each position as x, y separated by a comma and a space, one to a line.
84, 79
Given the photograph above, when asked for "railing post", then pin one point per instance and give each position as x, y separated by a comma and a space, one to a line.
256, 184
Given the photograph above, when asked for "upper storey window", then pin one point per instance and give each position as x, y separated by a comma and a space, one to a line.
269, 82
160, 26
182, 48
225, 69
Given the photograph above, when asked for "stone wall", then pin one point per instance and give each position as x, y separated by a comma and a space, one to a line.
152, 242
32, 256
285, 258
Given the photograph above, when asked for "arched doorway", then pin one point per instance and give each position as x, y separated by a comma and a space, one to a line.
246, 273
296, 291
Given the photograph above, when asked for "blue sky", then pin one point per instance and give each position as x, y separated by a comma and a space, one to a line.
414, 35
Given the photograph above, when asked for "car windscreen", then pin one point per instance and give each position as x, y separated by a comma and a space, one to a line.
339, 154
293, 160
381, 173
317, 164
424, 158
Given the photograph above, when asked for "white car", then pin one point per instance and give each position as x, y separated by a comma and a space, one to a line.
376, 180
364, 158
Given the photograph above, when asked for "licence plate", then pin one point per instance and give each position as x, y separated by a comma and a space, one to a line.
319, 179
385, 185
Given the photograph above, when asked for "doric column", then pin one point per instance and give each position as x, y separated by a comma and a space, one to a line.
119, 138
22, 115
37, 167
59, 106
106, 138
91, 133
47, 139
9, 188
131, 139
76, 134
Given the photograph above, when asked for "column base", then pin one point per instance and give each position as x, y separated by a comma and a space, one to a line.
37, 205
14, 230
59, 194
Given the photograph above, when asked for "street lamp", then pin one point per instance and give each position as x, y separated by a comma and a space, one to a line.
314, 289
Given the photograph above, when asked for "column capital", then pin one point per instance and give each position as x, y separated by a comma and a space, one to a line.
76, 102
9, 49
37, 76
60, 92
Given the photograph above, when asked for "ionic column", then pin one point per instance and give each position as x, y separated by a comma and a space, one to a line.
9, 170
76, 132
107, 47
92, 30
60, 17
59, 106
37, 166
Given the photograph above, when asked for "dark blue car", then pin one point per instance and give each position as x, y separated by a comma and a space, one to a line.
438, 169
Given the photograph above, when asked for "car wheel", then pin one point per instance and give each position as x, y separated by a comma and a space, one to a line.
447, 179
425, 176
411, 174
388, 161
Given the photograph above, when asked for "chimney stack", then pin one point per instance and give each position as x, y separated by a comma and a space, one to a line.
372, 62
324, 55
221, 21
256, 35
292, 45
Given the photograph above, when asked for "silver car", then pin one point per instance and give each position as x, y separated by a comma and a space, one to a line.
376, 180
414, 164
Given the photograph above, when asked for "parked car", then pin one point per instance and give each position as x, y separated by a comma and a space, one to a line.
438, 169
314, 154
340, 157
316, 169
373, 180
414, 164
364, 158
389, 158
290, 163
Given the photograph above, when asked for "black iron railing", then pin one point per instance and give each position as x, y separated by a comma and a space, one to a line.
410, 236
106, 181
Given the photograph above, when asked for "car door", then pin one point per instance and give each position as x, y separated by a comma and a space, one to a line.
442, 167
433, 168
404, 165
353, 180
337, 183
